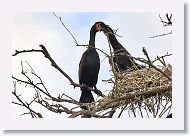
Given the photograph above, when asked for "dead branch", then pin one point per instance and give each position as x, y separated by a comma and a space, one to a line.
153, 66
18, 52
38, 99
96, 49
161, 35
59, 18
30, 82
168, 22
146, 54
53, 63
161, 57
26, 105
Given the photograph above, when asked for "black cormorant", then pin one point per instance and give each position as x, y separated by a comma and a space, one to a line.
120, 58
89, 66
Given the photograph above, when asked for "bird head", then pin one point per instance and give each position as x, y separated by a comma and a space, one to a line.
100, 26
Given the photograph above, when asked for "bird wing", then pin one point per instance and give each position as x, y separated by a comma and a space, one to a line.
82, 67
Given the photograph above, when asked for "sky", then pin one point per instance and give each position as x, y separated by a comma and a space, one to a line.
30, 29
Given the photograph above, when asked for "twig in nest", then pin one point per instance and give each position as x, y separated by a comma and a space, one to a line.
151, 65
146, 54
114, 32
159, 57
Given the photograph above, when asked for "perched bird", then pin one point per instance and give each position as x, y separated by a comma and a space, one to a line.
89, 66
120, 58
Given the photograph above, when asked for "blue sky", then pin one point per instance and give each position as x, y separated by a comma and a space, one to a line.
32, 29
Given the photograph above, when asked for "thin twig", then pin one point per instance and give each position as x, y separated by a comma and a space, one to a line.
168, 22
122, 111
158, 57
59, 18
146, 54
32, 112
23, 51
41, 82
96, 49
161, 35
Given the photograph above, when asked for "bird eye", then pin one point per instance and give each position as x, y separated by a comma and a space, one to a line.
98, 27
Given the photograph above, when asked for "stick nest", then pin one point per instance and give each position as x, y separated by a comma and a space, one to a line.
146, 87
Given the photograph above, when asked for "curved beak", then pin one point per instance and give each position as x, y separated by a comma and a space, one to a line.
106, 29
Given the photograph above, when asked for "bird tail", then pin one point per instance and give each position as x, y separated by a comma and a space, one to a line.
86, 96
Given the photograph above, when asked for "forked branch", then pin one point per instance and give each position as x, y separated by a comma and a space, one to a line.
54, 64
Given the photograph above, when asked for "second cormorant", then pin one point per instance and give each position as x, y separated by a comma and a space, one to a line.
121, 59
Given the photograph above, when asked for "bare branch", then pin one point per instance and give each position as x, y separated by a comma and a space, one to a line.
23, 51
47, 94
59, 18
122, 111
161, 35
146, 54
96, 49
53, 63
32, 112
168, 22
159, 57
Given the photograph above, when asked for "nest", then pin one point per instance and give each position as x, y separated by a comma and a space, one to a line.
146, 88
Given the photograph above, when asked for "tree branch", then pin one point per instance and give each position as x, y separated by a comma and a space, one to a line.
59, 18
161, 35
26, 105
53, 63
24, 51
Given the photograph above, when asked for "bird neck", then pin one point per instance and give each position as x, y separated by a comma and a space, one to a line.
114, 42
92, 37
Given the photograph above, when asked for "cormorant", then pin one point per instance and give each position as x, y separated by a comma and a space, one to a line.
120, 58
89, 66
